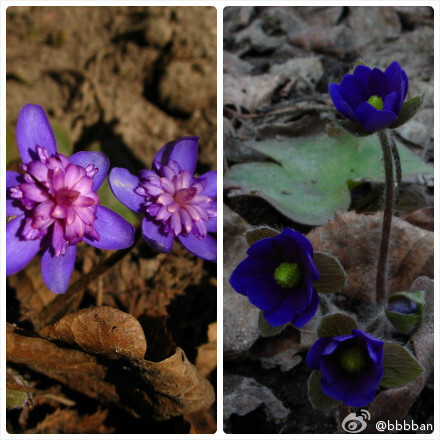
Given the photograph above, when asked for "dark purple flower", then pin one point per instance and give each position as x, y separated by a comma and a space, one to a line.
351, 366
371, 97
174, 202
56, 204
277, 277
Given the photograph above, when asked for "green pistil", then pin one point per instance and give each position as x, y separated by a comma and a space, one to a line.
287, 275
376, 102
352, 360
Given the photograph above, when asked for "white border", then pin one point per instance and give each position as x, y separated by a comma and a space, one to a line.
219, 4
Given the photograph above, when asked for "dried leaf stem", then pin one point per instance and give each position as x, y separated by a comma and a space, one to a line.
388, 150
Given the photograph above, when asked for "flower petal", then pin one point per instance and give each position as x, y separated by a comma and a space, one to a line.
249, 270
123, 184
33, 128
393, 74
341, 105
18, 252
154, 237
205, 248
352, 92
114, 231
99, 161
373, 119
313, 357
211, 183
13, 206
211, 224
392, 102
308, 313
378, 83
361, 73
56, 271
264, 293
284, 312
183, 151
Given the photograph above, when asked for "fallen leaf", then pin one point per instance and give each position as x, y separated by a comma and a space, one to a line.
206, 360
423, 218
100, 330
354, 240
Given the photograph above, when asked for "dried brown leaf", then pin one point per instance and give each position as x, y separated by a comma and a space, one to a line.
423, 218
354, 239
68, 421
206, 360
101, 330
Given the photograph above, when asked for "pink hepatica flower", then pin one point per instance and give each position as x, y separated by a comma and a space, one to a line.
55, 204
174, 202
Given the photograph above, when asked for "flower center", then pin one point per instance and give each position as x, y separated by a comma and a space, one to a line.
352, 360
376, 102
287, 275
176, 199
58, 199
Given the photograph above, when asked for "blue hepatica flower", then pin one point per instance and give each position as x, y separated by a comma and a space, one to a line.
173, 201
55, 204
277, 277
351, 366
371, 97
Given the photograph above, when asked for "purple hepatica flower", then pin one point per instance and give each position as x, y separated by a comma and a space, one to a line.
351, 366
371, 97
277, 277
174, 202
56, 204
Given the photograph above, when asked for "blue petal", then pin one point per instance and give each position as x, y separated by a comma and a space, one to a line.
18, 252
340, 388
373, 119
352, 92
392, 103
211, 183
265, 249
13, 206
340, 103
183, 151
56, 271
264, 293
361, 73
211, 225
308, 313
98, 159
301, 241
151, 231
205, 248
33, 128
246, 272
313, 358
123, 184
397, 80
114, 231
378, 83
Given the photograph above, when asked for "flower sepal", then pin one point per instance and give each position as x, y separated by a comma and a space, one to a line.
408, 110
317, 397
256, 234
267, 330
400, 367
406, 310
336, 324
351, 127
332, 275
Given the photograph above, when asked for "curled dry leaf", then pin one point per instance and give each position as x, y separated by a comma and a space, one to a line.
354, 238
206, 360
101, 330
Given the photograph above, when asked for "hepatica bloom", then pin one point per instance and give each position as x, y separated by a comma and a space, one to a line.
55, 204
174, 202
277, 277
371, 97
351, 366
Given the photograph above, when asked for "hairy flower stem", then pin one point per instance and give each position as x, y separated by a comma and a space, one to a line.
387, 143
69, 301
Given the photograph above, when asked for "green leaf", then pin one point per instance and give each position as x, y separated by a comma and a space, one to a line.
266, 329
307, 179
336, 324
332, 275
352, 127
260, 233
408, 110
317, 397
399, 366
